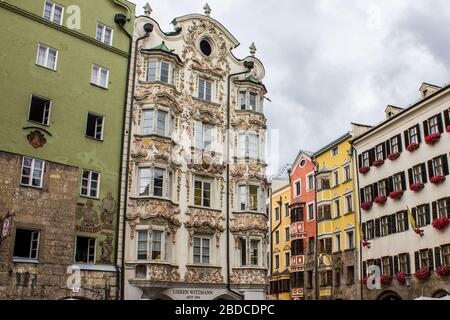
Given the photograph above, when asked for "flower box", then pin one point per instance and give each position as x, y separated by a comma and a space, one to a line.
400, 277
448, 128
364, 170
395, 195
378, 163
443, 271
380, 200
423, 274
416, 187
386, 280
366, 205
394, 156
441, 223
437, 179
433, 138
412, 147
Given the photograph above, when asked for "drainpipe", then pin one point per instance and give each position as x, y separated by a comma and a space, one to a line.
248, 65
316, 254
148, 28
280, 204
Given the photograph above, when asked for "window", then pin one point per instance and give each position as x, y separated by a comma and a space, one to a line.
382, 190
298, 188
253, 146
248, 196
379, 152
297, 215
347, 173
337, 208
350, 275
243, 249
277, 262
394, 145
286, 210
159, 70
311, 245
337, 243
446, 255
424, 257
100, 76
385, 226
94, 126
310, 179
437, 167
349, 203
254, 251
297, 247
277, 237
90, 184
205, 47
311, 212
26, 244
398, 182
203, 193
337, 277
443, 209
85, 250
155, 121
401, 221
336, 178
417, 174
243, 203
47, 57
335, 151
413, 134
298, 280
422, 219
350, 240
204, 89
286, 233
203, 136
368, 194
310, 279
387, 268
325, 212
326, 278
40, 110
370, 230
287, 258
248, 146
404, 263
325, 183
248, 100
53, 12
201, 250
32, 172
151, 244
365, 159
104, 34
433, 124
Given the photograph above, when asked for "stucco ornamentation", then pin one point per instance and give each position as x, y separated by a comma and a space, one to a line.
249, 276
153, 209
107, 249
161, 272
254, 223
36, 139
202, 220
203, 275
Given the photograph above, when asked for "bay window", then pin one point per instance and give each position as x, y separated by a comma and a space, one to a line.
154, 182
205, 89
160, 70
203, 136
248, 100
203, 192
248, 197
254, 247
249, 146
156, 121
202, 247
153, 245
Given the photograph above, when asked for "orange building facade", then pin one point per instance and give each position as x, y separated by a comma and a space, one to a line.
303, 227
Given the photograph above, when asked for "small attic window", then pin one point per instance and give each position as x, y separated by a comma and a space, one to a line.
205, 47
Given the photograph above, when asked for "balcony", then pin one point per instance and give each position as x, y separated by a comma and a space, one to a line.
153, 208
247, 276
247, 222
204, 274
147, 273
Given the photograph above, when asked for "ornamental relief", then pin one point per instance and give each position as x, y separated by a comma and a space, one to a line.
249, 122
249, 276
253, 223
250, 171
207, 164
146, 209
203, 275
204, 221
156, 272
148, 149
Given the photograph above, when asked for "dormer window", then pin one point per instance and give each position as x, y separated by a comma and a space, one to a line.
248, 100
160, 70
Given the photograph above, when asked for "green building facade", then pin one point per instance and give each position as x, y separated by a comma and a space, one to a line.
63, 82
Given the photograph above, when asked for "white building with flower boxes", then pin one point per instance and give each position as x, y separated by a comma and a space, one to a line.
403, 164
195, 224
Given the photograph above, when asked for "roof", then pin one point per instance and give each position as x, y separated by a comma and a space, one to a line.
252, 79
333, 144
401, 113
162, 47
301, 153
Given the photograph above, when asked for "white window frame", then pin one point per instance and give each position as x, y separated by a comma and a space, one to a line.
247, 187
245, 94
200, 141
46, 58
400, 221
102, 126
158, 67
417, 174
31, 175
335, 179
52, 13
365, 159
155, 110
421, 214
89, 184
298, 183
165, 242
308, 186
201, 238
344, 172
313, 211
349, 199
382, 191
442, 209
379, 154
438, 164
397, 182
287, 234
203, 95
337, 242
337, 208
89, 262
102, 27
413, 135
49, 112
97, 80
395, 147
167, 182
34, 245
211, 191
433, 124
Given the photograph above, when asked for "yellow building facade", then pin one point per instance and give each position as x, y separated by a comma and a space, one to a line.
337, 226
281, 250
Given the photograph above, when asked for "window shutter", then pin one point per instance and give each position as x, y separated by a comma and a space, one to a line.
395, 267
377, 228
388, 147
406, 134
390, 185
391, 261
426, 132
361, 192
410, 175
424, 173
434, 210
371, 156
431, 258
417, 260
360, 163
419, 133
364, 269
448, 207
447, 118
405, 213
378, 263
428, 213
430, 169
403, 180
445, 164
414, 213
440, 124
373, 229
437, 257
408, 263
383, 146
393, 223
400, 144
374, 190
364, 230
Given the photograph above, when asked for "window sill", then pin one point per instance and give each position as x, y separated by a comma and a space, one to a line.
39, 123
46, 68
99, 86
153, 135
349, 213
254, 212
93, 139
158, 82
95, 267
25, 261
204, 208
88, 197
206, 101
31, 187
199, 265
240, 110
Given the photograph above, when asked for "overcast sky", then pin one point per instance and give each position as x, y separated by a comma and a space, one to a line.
332, 62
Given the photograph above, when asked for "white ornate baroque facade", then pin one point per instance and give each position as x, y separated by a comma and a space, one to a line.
182, 241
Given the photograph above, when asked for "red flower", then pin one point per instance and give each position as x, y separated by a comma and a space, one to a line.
441, 223
394, 156
423, 274
396, 194
378, 163
433, 138
366, 205
400, 277
443, 271
448, 128
412, 147
364, 280
416, 187
364, 170
380, 200
437, 179
386, 280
